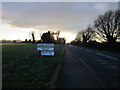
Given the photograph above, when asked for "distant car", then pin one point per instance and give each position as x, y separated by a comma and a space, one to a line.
68, 43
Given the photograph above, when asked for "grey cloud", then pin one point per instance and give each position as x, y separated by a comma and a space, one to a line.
29, 14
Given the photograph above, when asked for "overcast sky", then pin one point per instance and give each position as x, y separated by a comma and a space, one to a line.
68, 17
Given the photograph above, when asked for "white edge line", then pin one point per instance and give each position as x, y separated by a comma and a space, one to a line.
101, 54
107, 56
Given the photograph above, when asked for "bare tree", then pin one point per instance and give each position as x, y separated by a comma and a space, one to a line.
107, 26
32, 35
85, 35
79, 37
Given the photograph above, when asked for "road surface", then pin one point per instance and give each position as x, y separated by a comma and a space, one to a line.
89, 68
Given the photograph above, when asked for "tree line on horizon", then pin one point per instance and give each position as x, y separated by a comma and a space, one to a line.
106, 28
47, 37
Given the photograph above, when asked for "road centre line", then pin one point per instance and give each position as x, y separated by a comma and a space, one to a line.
101, 81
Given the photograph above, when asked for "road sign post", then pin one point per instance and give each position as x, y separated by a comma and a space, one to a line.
46, 49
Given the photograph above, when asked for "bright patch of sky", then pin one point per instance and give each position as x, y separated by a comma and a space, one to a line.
20, 18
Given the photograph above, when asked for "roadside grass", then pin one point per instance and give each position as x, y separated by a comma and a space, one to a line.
23, 67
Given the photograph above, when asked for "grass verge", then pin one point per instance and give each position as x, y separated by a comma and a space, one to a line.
23, 67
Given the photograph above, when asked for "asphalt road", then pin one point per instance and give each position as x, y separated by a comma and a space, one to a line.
89, 68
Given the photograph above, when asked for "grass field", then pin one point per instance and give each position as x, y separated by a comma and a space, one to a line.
23, 67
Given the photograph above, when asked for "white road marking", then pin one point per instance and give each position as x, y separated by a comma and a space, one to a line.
107, 56
99, 54
88, 50
94, 74
108, 64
